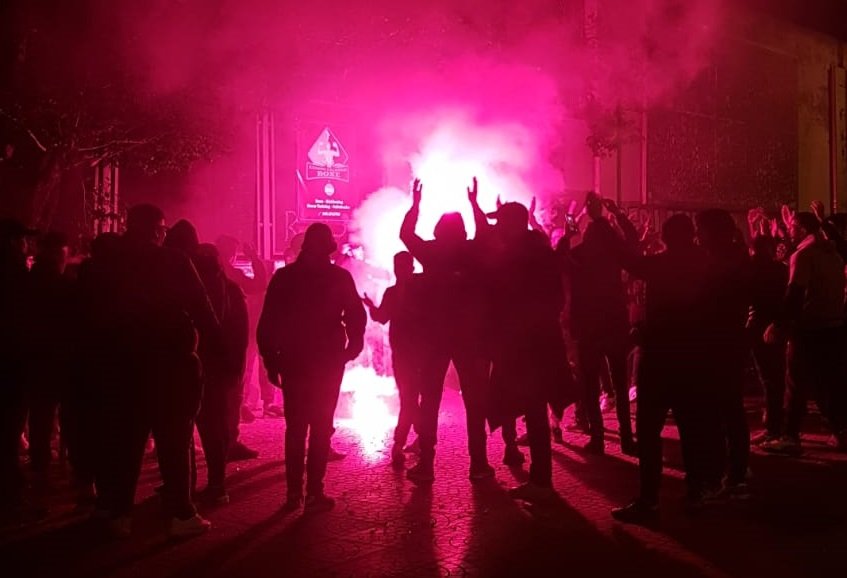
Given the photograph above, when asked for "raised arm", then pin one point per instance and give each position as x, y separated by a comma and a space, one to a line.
479, 218
416, 246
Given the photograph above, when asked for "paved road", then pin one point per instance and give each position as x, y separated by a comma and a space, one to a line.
796, 524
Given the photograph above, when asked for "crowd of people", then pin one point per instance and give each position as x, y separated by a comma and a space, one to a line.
151, 336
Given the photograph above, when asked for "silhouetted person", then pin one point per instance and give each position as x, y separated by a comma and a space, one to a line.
161, 306
455, 313
599, 318
14, 282
49, 343
729, 287
769, 279
223, 371
402, 307
223, 367
813, 321
312, 324
254, 291
672, 363
530, 367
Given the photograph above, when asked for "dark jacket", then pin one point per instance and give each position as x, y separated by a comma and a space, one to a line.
312, 315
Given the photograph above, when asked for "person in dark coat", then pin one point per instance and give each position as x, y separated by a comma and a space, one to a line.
312, 324
599, 318
456, 312
673, 364
157, 308
14, 289
530, 368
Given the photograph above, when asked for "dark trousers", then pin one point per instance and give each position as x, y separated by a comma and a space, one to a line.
593, 353
509, 430
770, 367
816, 369
669, 384
310, 395
540, 449
79, 430
213, 425
43, 402
235, 397
164, 403
407, 375
12, 417
734, 440
474, 371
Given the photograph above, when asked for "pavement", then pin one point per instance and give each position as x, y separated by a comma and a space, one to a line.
795, 524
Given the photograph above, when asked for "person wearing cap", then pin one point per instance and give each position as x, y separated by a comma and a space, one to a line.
530, 369
812, 320
312, 324
456, 312
14, 286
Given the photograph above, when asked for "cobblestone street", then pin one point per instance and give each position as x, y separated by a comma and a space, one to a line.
383, 525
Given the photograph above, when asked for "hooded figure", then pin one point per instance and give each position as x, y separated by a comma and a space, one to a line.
312, 324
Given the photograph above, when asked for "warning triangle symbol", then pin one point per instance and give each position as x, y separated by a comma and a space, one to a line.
327, 151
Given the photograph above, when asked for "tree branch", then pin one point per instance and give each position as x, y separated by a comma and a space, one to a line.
31, 134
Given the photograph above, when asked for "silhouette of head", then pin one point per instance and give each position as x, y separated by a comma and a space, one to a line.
53, 249
451, 228
318, 241
404, 265
716, 229
13, 244
764, 247
105, 246
512, 219
802, 225
182, 236
146, 223
208, 259
678, 232
228, 247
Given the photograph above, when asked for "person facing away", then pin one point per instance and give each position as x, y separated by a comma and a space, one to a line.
456, 312
223, 367
160, 307
530, 367
599, 318
401, 307
312, 324
672, 363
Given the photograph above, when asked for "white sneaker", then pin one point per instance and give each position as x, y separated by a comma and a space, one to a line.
193, 526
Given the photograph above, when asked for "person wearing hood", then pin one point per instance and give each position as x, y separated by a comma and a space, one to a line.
312, 324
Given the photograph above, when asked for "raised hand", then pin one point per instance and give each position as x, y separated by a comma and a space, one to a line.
610, 206
417, 192
499, 202
774, 228
532, 207
819, 210
249, 250
473, 192
787, 215
368, 302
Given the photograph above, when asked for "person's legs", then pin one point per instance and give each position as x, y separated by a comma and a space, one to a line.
43, 403
616, 354
12, 416
474, 374
406, 375
770, 367
590, 364
212, 427
322, 412
650, 416
829, 363
796, 386
540, 451
434, 365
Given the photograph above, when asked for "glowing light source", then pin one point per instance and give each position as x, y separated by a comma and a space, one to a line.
370, 408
